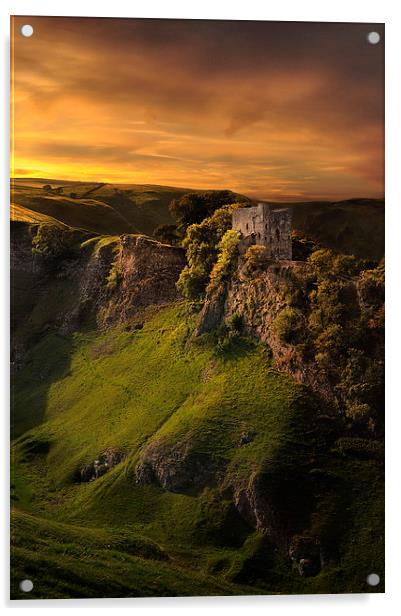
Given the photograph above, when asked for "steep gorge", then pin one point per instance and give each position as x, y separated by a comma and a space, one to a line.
199, 410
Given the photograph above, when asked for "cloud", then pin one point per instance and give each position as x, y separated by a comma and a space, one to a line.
255, 106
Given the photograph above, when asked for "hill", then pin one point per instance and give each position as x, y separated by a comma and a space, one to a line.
355, 226
97, 208
151, 461
131, 389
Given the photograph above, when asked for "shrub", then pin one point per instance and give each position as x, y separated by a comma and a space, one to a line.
360, 447
52, 244
166, 234
234, 322
202, 244
228, 249
331, 340
371, 286
328, 264
192, 282
194, 207
289, 326
302, 247
113, 278
256, 258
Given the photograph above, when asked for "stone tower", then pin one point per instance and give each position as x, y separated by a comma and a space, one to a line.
263, 225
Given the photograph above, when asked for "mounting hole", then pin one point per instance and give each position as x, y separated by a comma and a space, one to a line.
373, 38
373, 579
27, 30
26, 585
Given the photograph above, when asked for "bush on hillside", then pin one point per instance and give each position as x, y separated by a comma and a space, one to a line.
193, 208
256, 258
52, 244
371, 286
302, 247
328, 264
202, 247
289, 325
228, 250
192, 282
167, 234
234, 323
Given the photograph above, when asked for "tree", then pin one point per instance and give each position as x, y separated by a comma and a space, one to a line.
52, 244
202, 248
302, 246
256, 258
289, 325
193, 208
227, 250
166, 234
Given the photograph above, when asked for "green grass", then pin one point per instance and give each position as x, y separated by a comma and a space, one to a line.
97, 208
354, 226
79, 394
65, 561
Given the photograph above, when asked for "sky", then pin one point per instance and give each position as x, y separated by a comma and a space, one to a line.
283, 111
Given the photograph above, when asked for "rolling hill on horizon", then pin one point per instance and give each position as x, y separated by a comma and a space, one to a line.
354, 226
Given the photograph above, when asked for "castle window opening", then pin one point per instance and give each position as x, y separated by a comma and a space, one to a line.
264, 225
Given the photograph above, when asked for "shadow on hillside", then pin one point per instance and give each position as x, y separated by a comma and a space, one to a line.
46, 363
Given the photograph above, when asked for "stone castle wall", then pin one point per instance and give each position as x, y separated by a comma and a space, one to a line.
265, 226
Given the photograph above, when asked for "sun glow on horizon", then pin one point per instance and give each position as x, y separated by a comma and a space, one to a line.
200, 104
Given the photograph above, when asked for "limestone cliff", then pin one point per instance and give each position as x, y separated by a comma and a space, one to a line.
258, 299
66, 278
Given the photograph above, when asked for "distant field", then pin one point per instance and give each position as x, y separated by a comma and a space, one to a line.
95, 207
355, 226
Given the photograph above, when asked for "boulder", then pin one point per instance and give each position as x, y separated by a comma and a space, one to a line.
305, 554
104, 462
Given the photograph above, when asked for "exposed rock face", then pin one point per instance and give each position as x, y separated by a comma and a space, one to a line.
176, 468
109, 458
259, 299
148, 273
305, 553
256, 503
213, 310
21, 256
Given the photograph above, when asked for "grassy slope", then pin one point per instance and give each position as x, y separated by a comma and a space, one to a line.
355, 226
98, 208
80, 394
22, 214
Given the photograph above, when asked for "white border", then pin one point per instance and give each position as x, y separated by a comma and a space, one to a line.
377, 11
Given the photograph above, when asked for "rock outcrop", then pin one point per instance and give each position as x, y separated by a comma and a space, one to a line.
148, 272
105, 461
258, 299
108, 282
177, 468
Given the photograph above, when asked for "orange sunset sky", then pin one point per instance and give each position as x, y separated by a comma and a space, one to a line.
281, 111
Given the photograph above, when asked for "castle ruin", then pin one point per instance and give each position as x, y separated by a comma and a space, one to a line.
265, 226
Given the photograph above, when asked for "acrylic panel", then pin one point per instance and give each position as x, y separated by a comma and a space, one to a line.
197, 272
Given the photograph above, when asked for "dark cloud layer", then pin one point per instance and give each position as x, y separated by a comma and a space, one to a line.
282, 110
